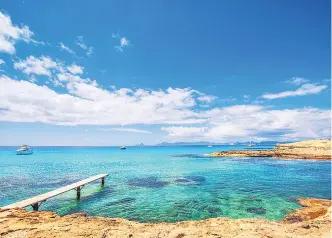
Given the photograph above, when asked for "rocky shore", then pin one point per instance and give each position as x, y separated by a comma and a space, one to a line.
312, 149
312, 220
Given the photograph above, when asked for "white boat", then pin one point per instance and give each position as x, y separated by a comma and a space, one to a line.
251, 144
123, 148
209, 145
24, 150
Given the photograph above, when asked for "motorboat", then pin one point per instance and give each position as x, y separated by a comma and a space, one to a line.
24, 150
209, 146
123, 148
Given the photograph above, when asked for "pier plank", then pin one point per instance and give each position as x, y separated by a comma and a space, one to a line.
40, 198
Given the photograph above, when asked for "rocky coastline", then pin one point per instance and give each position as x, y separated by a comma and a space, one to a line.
313, 149
312, 220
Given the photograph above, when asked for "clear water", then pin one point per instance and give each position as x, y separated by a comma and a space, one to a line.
153, 184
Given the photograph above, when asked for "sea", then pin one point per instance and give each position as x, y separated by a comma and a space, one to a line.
163, 183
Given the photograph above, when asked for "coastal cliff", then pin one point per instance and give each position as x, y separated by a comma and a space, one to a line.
312, 149
313, 220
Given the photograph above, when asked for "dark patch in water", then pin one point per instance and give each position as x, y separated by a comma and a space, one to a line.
189, 156
214, 210
150, 182
196, 178
182, 180
278, 165
251, 199
256, 210
292, 199
121, 201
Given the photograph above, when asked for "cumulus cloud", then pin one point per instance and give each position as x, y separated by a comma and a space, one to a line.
81, 44
123, 129
305, 89
124, 42
10, 34
85, 103
75, 69
250, 122
39, 66
206, 98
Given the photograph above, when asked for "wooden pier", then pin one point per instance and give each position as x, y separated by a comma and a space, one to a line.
35, 202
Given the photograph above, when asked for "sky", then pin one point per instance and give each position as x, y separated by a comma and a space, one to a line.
130, 72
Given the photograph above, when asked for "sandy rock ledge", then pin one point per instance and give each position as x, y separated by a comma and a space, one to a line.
313, 220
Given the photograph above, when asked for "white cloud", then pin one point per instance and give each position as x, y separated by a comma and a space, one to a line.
249, 122
124, 42
184, 131
305, 89
80, 43
2, 61
39, 66
88, 104
297, 80
75, 69
66, 48
132, 130
10, 34
206, 98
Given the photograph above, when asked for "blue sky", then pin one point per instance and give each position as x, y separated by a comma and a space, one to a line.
126, 72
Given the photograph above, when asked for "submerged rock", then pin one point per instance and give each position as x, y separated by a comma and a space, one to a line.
196, 178
182, 180
256, 210
189, 155
150, 182
121, 201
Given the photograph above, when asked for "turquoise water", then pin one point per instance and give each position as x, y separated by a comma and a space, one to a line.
153, 184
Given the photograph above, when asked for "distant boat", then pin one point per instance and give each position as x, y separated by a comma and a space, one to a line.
209, 146
251, 144
232, 143
123, 148
24, 150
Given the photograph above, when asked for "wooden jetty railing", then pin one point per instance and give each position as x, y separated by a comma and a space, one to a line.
35, 202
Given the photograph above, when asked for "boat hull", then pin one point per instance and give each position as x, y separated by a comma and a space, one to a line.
27, 152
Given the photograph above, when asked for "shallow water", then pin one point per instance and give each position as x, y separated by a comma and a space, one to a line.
153, 184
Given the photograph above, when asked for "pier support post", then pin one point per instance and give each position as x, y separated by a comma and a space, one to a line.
102, 181
35, 206
78, 191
